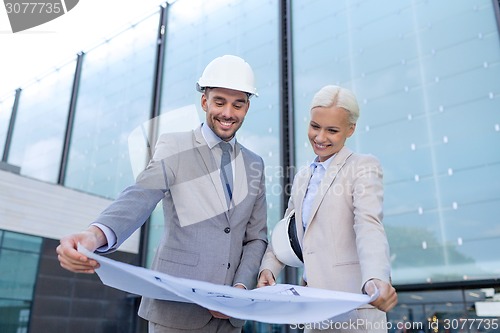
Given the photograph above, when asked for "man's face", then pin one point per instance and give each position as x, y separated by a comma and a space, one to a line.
225, 109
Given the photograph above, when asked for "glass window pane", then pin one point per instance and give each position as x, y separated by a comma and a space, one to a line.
21, 242
419, 69
19, 256
38, 136
114, 98
248, 29
457, 310
6, 105
14, 316
18, 274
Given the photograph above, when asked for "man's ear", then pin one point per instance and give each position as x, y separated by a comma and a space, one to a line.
203, 102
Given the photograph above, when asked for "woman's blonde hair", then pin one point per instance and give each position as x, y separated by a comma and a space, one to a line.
331, 95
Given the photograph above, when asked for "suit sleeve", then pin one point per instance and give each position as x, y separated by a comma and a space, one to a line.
255, 240
130, 210
371, 240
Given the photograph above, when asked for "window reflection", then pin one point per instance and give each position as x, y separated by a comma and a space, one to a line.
6, 105
19, 257
445, 311
244, 28
38, 136
114, 98
414, 88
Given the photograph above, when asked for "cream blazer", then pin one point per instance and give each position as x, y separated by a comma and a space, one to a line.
344, 244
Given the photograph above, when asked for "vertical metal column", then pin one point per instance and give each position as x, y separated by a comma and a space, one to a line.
155, 111
287, 135
158, 71
71, 118
496, 7
286, 114
10, 129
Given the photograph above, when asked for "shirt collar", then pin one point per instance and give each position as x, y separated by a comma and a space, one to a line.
212, 139
324, 164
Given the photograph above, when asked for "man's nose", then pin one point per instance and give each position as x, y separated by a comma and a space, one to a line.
227, 111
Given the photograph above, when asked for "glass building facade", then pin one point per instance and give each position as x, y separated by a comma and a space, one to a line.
427, 78
417, 85
19, 257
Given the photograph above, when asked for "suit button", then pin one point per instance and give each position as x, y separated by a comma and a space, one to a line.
227, 230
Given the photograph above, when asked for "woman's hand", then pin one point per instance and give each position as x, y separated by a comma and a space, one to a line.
266, 278
387, 298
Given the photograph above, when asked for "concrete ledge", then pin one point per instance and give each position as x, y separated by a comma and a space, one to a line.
37, 208
10, 168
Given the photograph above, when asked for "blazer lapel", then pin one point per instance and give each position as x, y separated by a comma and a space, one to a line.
330, 175
211, 167
299, 195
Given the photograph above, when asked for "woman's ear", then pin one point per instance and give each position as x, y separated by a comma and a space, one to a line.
351, 130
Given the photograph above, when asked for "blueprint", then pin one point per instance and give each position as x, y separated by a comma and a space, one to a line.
279, 304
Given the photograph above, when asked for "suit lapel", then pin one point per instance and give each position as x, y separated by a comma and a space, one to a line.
210, 166
330, 175
302, 182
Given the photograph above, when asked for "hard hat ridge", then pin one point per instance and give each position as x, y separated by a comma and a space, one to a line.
228, 71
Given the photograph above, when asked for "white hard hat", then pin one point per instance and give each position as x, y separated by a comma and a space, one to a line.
229, 72
285, 243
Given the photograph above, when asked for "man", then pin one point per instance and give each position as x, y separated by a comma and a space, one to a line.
215, 214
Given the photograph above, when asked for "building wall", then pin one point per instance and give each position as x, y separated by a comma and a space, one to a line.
66, 302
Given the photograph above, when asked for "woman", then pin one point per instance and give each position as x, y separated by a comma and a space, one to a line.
337, 202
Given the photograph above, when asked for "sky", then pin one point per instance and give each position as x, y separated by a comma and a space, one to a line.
29, 54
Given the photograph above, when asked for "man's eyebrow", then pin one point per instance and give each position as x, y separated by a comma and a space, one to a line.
221, 98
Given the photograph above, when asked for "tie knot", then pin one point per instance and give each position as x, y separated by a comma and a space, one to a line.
226, 147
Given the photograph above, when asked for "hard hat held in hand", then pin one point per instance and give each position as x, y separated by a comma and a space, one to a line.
229, 72
285, 244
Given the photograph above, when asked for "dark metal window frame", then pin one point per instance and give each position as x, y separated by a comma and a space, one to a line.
71, 118
12, 123
496, 8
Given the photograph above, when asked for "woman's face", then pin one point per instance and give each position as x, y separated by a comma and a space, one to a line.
328, 130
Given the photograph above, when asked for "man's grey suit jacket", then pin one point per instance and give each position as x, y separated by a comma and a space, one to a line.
203, 239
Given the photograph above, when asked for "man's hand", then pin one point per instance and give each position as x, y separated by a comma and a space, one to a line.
387, 298
266, 278
219, 315
72, 260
